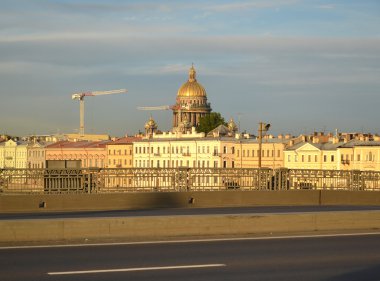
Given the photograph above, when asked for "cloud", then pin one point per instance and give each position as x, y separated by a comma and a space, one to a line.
237, 6
327, 6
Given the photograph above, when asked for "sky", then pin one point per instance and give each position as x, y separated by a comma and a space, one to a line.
300, 65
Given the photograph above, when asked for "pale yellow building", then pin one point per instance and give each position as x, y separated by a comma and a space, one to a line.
272, 153
306, 155
177, 152
359, 155
37, 155
120, 153
351, 155
13, 154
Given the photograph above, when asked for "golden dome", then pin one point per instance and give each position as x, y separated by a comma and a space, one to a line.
191, 88
151, 124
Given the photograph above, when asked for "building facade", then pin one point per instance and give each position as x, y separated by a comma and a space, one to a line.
351, 155
36, 155
13, 154
272, 153
90, 154
120, 153
174, 150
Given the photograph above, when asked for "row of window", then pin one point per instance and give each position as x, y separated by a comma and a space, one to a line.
174, 163
36, 153
119, 162
256, 153
119, 152
310, 158
174, 150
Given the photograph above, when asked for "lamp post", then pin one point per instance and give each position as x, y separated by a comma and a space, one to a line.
263, 128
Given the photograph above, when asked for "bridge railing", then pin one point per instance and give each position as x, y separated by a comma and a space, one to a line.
57, 181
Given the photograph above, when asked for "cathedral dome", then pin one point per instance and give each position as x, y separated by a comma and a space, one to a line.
191, 88
151, 124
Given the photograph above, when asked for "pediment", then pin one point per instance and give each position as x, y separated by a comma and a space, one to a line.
308, 147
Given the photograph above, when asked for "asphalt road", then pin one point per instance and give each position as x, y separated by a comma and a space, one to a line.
323, 258
184, 211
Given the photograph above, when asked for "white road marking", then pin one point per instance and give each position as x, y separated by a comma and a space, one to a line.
136, 269
191, 240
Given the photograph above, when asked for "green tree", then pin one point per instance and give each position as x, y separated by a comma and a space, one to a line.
210, 122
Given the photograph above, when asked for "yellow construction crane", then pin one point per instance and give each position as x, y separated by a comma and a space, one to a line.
80, 97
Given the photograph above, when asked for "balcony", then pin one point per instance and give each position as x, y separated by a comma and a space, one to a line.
186, 154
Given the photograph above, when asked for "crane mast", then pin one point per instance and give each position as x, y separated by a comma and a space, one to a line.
81, 96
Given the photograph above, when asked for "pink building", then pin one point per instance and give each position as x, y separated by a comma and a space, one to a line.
91, 154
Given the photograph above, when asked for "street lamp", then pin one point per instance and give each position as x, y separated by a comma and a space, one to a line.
263, 128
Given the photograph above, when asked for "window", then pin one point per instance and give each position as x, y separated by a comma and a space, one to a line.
358, 157
224, 149
303, 158
289, 158
278, 153
324, 158
309, 158
243, 153
315, 158
332, 158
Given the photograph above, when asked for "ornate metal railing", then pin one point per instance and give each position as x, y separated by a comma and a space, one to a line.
56, 181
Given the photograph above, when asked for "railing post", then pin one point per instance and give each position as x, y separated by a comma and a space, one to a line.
281, 181
356, 180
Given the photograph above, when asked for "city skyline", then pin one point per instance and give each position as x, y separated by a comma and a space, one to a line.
302, 66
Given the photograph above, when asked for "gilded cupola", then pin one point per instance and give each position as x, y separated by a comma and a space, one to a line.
192, 88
